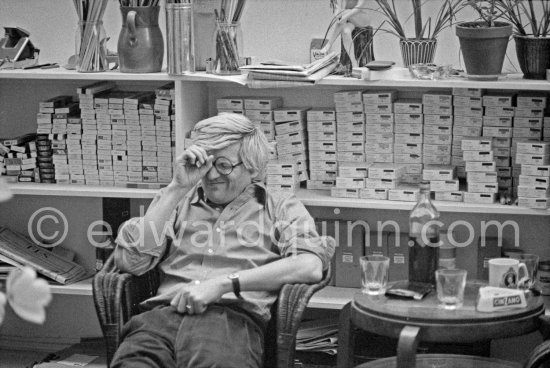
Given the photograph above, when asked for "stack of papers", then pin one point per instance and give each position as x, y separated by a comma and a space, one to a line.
276, 70
319, 335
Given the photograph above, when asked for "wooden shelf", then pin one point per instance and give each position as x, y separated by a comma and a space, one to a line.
83, 287
309, 197
64, 74
332, 297
71, 190
322, 198
400, 78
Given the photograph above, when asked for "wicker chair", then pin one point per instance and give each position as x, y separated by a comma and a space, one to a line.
117, 295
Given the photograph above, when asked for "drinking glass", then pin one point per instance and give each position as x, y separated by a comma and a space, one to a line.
531, 262
450, 287
374, 274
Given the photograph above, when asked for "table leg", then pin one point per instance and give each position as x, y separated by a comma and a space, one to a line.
406, 347
346, 339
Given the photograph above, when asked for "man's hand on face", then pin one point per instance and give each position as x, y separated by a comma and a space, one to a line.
194, 298
191, 166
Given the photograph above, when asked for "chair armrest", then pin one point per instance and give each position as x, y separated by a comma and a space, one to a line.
117, 296
292, 302
539, 355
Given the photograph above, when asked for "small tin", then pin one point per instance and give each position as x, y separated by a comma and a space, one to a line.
544, 277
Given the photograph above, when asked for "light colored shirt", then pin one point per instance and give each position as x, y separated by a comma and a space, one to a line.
201, 241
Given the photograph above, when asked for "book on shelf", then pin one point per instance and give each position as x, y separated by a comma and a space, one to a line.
17, 249
312, 78
281, 67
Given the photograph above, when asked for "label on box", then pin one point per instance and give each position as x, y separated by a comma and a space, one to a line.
373, 193
379, 118
321, 126
386, 171
455, 196
404, 193
376, 97
409, 119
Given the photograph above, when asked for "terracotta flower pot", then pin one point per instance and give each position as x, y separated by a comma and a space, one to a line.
483, 48
533, 56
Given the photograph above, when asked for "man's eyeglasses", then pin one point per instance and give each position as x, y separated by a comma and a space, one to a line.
224, 166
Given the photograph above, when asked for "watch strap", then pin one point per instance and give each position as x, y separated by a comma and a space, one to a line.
236, 285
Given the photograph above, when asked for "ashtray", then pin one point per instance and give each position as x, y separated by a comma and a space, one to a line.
430, 71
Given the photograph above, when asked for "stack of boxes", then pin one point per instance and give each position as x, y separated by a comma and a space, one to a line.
498, 121
379, 126
443, 182
528, 127
408, 148
350, 144
165, 139
18, 157
481, 176
468, 122
54, 167
534, 181
130, 164
321, 131
95, 148
291, 143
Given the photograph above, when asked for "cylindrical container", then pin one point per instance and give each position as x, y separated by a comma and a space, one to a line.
180, 38
140, 42
228, 41
418, 51
90, 47
544, 277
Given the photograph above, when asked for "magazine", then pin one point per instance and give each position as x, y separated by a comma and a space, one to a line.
22, 251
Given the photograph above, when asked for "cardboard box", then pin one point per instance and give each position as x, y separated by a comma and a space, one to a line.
321, 114
373, 193
349, 248
398, 252
376, 97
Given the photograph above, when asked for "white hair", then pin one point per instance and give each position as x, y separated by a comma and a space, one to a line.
223, 130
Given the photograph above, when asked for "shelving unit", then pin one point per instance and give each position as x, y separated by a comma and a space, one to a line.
196, 95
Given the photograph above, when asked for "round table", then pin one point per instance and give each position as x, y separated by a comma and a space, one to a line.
412, 321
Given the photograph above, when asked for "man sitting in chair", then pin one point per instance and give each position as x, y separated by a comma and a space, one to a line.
224, 246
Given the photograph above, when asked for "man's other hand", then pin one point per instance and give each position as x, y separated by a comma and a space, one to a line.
194, 297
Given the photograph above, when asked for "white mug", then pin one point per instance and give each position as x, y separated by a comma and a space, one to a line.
504, 272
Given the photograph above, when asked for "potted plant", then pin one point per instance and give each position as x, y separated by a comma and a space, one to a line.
531, 24
421, 47
484, 42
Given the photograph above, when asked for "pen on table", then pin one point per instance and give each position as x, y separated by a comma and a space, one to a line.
42, 66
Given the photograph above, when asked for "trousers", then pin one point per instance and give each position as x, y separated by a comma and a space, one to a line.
221, 337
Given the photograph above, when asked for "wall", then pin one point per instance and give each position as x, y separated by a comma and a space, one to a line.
272, 29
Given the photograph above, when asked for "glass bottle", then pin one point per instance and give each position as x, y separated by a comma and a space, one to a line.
90, 47
228, 43
423, 244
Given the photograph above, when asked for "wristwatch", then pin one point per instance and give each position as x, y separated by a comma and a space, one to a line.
234, 277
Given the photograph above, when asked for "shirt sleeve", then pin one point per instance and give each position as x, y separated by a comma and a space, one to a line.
297, 233
129, 253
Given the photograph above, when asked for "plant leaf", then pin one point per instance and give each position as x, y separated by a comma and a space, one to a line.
28, 295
